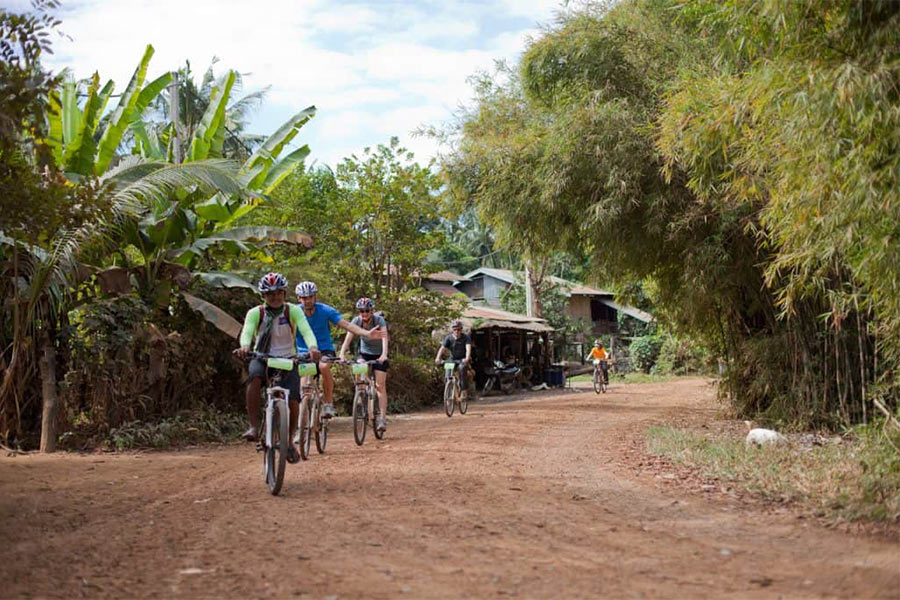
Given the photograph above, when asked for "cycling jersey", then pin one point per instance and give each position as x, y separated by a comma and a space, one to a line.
598, 353
318, 322
283, 330
367, 346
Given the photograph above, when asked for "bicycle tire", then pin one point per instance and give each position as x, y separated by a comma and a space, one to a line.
597, 381
603, 383
463, 404
488, 386
321, 431
304, 426
280, 440
448, 397
359, 417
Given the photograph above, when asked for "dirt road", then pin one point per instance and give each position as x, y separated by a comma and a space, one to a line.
524, 498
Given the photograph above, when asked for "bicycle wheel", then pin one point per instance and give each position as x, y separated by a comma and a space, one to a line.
603, 383
488, 386
598, 381
276, 454
448, 397
321, 430
359, 417
304, 426
463, 404
376, 412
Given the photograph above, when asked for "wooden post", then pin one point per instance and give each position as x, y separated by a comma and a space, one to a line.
48, 391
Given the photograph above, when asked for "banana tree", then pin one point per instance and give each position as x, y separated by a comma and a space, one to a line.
83, 139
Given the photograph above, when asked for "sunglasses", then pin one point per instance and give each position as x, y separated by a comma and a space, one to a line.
365, 310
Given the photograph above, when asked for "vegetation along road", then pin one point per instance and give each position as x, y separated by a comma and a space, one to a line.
533, 497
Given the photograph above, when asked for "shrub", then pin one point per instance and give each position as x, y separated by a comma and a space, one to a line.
644, 351
681, 357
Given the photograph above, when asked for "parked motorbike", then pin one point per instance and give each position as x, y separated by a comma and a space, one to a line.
501, 376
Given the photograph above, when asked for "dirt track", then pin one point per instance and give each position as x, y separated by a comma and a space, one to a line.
525, 498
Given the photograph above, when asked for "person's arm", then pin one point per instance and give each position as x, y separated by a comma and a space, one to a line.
346, 345
468, 353
305, 330
351, 328
437, 358
251, 325
384, 345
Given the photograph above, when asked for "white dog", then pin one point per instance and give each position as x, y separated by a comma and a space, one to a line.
762, 437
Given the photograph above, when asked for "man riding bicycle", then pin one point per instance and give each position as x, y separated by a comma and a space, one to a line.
459, 345
319, 315
275, 324
372, 349
598, 353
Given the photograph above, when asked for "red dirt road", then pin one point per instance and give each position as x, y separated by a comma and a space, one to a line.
525, 498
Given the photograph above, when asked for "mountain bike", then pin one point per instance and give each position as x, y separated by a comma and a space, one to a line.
452, 392
312, 422
274, 439
365, 401
600, 382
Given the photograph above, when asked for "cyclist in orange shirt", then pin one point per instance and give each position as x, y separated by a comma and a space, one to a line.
598, 353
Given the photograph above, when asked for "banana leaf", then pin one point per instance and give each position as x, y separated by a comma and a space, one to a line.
55, 137
221, 279
212, 210
79, 155
215, 315
262, 233
122, 116
105, 94
212, 120
284, 168
150, 91
70, 114
268, 152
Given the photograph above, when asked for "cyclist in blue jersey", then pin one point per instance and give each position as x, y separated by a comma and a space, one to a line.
319, 316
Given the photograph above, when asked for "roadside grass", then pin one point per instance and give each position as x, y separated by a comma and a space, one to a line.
634, 377
199, 426
855, 479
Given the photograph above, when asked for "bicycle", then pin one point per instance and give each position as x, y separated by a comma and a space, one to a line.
311, 417
365, 401
452, 392
274, 439
599, 378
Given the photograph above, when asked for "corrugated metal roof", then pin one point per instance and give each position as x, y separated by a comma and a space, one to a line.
483, 317
635, 313
445, 276
570, 287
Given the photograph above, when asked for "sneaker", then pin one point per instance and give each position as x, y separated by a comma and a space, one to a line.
328, 410
380, 424
250, 435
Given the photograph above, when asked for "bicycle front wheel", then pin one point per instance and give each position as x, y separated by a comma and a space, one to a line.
448, 397
359, 417
304, 426
321, 430
276, 453
463, 403
598, 381
376, 412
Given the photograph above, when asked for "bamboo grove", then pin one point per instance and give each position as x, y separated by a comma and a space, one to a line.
741, 159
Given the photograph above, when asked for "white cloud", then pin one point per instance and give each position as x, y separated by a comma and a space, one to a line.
374, 69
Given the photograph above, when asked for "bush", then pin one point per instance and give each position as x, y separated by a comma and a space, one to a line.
644, 351
681, 357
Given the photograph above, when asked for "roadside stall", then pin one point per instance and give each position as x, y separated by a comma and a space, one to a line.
513, 339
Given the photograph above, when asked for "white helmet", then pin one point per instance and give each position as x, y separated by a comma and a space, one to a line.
305, 289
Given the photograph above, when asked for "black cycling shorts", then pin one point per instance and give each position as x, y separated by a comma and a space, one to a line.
290, 381
376, 366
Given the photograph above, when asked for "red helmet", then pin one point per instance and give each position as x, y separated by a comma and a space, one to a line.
365, 303
272, 282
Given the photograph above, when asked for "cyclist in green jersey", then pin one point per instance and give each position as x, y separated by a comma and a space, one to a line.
274, 325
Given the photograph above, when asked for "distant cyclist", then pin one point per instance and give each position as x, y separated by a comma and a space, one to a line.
459, 345
319, 316
275, 324
372, 349
598, 353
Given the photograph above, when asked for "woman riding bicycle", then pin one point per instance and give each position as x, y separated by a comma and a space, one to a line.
372, 349
600, 356
274, 325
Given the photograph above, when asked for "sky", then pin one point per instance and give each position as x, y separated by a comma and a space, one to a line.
373, 69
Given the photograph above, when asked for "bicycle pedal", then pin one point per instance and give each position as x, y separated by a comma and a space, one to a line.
260, 447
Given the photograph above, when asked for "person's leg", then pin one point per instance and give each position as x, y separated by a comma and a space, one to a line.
381, 391
463, 380
327, 383
252, 400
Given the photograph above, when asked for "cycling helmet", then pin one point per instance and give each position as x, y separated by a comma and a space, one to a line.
365, 303
457, 324
305, 289
272, 282
598, 343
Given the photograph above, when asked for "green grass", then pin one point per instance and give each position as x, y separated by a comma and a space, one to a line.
852, 480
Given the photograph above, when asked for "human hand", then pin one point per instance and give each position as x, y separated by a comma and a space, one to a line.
315, 354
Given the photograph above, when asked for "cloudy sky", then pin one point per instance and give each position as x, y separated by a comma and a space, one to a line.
373, 69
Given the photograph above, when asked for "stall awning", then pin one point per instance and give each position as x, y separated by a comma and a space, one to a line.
483, 317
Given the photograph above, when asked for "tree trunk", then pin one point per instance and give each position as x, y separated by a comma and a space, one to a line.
48, 390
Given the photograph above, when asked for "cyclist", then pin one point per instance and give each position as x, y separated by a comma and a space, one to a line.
319, 316
598, 353
281, 322
372, 349
459, 345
